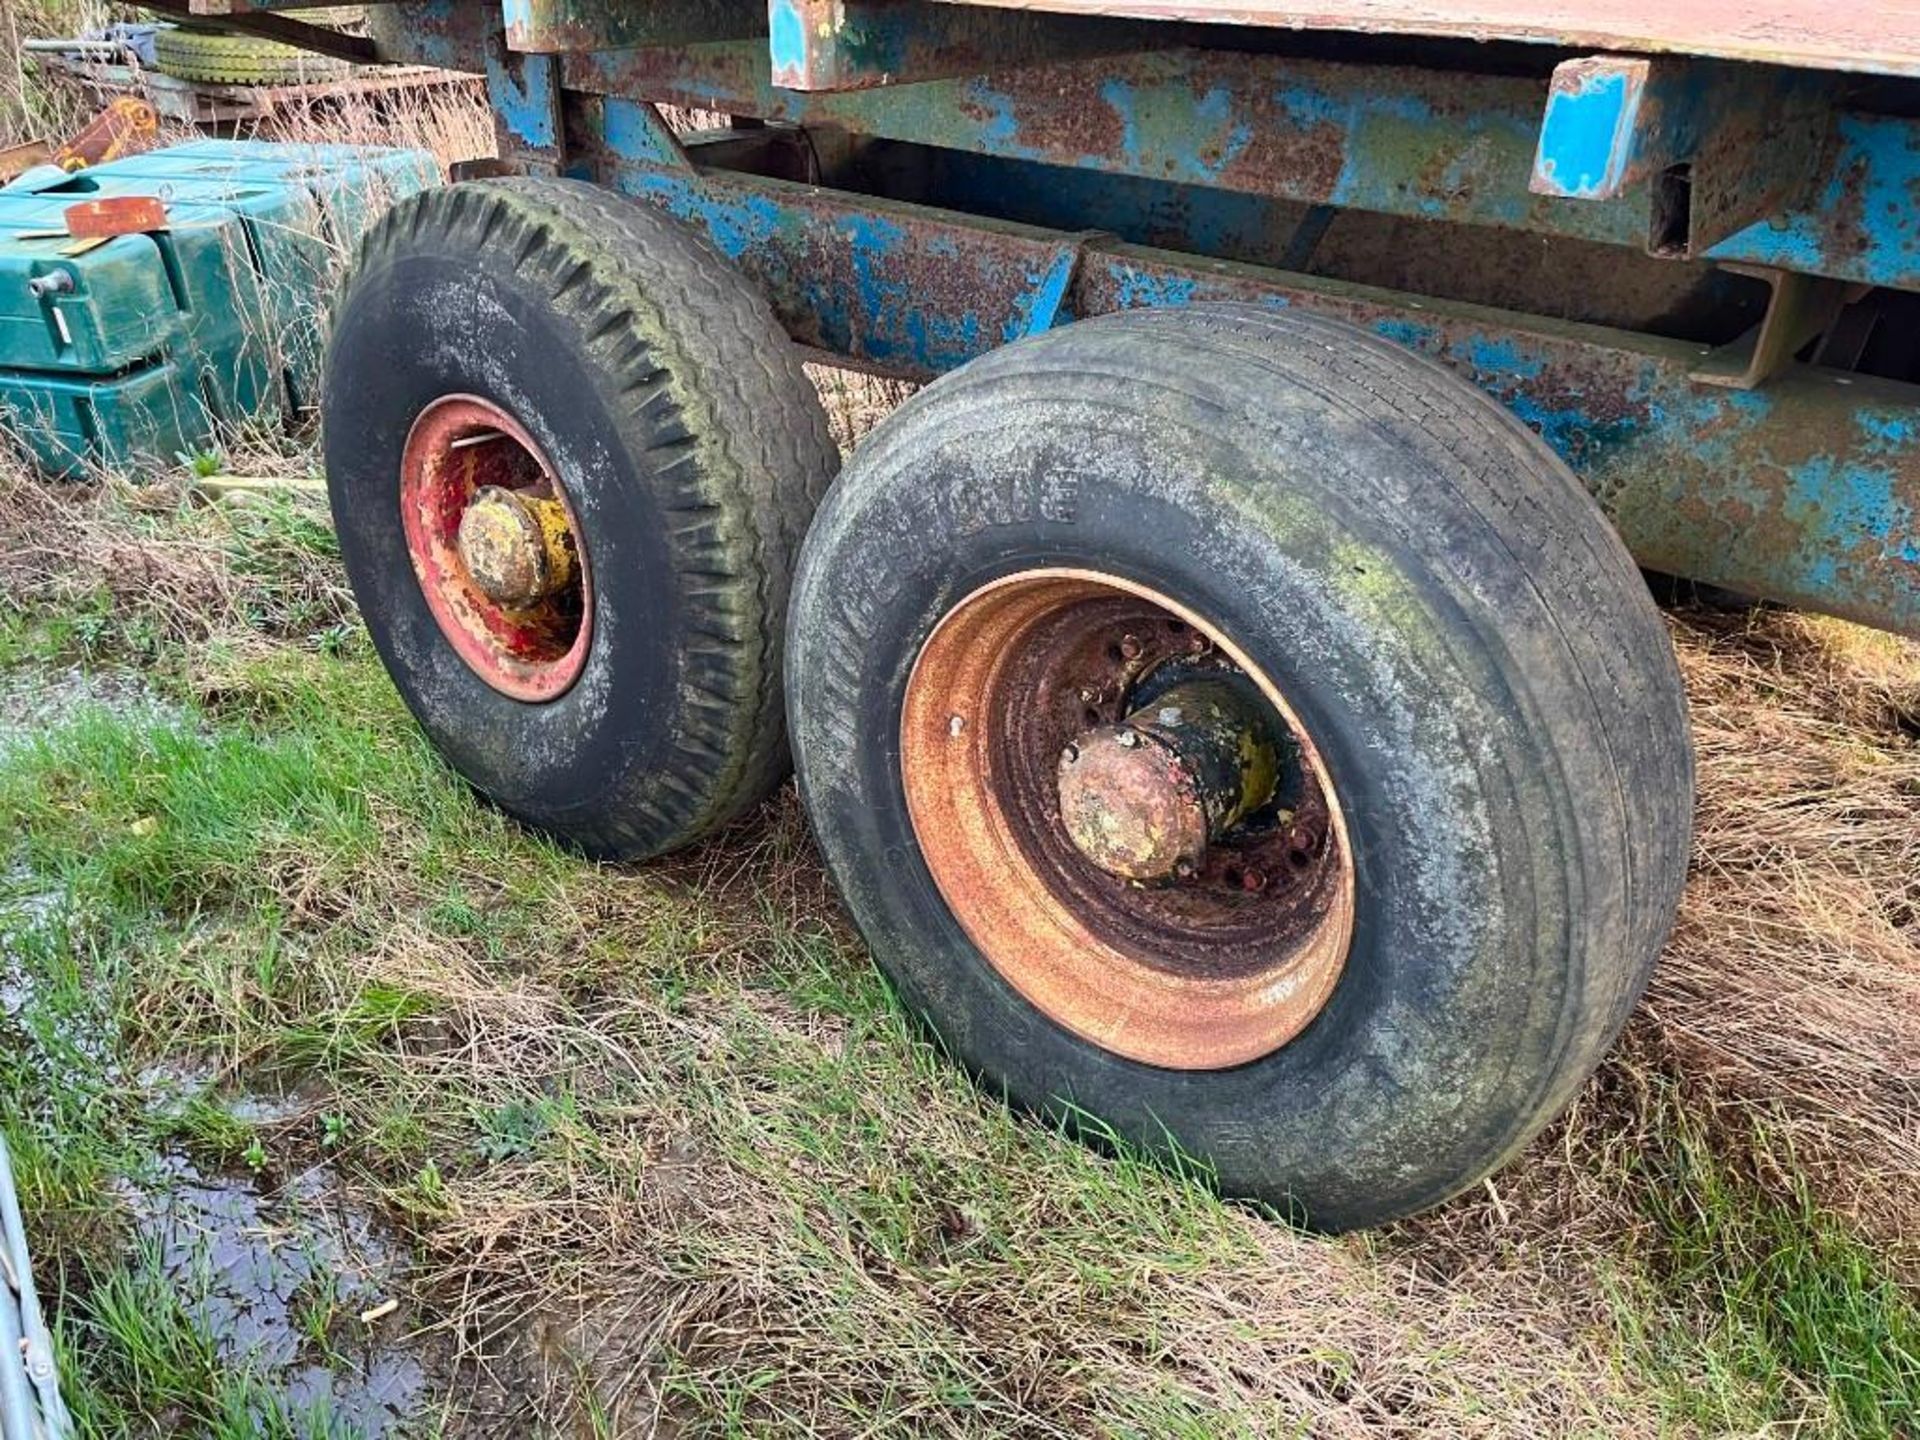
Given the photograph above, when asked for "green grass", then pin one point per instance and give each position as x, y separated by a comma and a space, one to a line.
677, 1106
1757, 1308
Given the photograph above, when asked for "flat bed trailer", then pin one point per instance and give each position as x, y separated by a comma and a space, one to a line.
1223, 698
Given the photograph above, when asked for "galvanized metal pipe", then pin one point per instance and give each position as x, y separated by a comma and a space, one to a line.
30, 1404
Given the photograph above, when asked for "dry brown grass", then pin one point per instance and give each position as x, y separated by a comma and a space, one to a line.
1792, 981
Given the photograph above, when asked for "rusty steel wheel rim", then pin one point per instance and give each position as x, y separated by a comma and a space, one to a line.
1127, 818
496, 547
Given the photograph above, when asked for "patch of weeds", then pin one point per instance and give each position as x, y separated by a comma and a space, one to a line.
518, 1127
215, 1132
1755, 1310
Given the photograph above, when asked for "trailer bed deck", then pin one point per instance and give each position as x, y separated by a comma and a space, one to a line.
1878, 37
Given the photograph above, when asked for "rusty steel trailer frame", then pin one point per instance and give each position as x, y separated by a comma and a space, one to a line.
1694, 274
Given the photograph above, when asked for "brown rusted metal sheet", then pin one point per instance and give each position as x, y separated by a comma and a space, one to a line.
116, 215
127, 126
1879, 37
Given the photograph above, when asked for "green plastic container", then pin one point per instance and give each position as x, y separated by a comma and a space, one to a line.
175, 335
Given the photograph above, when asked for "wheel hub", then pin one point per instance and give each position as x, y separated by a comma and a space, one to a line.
517, 547
1145, 798
1126, 819
496, 547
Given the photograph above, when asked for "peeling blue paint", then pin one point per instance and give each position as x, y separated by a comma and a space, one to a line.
1411, 333
1866, 223
786, 40
1586, 139
1887, 432
1796, 491
1039, 309
1140, 290
734, 223
525, 101
633, 131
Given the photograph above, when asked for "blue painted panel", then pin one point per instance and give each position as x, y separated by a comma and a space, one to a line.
1866, 223
1805, 492
1587, 137
524, 91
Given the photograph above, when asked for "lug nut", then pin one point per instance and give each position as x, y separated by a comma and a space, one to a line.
1183, 869
1127, 739
1070, 754
1252, 880
1130, 647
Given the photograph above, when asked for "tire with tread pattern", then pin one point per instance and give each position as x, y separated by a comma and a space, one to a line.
1477, 659
692, 448
227, 59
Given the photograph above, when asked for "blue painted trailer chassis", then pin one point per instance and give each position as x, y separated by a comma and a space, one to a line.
1695, 277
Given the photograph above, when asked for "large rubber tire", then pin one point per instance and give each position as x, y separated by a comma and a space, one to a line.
1489, 684
225, 59
693, 450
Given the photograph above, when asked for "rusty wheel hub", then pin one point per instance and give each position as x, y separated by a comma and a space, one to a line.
1126, 818
496, 547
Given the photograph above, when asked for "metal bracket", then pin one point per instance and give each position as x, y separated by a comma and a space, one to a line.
1802, 308
1722, 146
1047, 303
524, 91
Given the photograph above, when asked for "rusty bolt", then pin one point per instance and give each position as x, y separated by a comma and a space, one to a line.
1183, 868
955, 724
1088, 694
1130, 647
1070, 754
1127, 739
1253, 880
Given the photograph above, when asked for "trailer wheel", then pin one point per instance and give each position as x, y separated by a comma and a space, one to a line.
1233, 728
571, 455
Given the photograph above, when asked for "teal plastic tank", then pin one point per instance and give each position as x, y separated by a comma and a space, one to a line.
146, 346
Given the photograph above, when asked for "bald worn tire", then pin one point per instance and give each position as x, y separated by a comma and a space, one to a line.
691, 447
1464, 637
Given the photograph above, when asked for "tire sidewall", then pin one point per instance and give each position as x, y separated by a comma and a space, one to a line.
1460, 925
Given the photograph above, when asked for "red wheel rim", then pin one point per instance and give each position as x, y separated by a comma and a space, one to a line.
528, 635
1219, 963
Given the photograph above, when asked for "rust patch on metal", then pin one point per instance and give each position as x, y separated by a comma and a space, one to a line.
1130, 805
1144, 799
116, 215
495, 545
1222, 959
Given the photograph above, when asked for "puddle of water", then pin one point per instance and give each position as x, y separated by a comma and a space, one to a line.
34, 699
53, 1040
255, 1265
